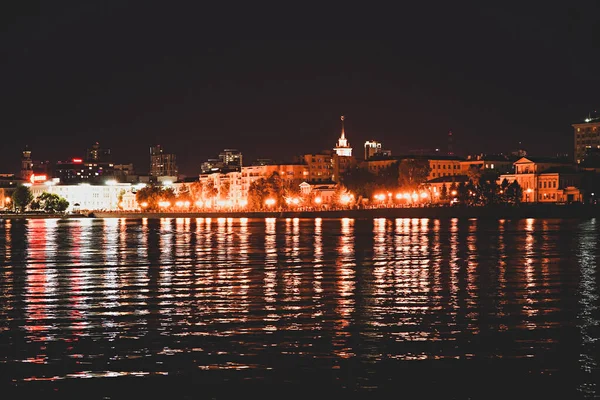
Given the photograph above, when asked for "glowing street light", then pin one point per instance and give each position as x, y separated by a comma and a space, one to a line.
111, 182
199, 203
243, 203
270, 201
318, 200
144, 204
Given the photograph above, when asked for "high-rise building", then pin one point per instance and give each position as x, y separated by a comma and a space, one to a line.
26, 164
97, 154
342, 147
586, 136
372, 148
161, 163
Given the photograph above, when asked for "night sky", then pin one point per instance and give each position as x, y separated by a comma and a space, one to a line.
130, 74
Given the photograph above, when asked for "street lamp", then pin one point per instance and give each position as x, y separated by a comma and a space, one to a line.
528, 192
270, 202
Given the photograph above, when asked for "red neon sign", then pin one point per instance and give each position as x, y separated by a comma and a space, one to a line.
77, 160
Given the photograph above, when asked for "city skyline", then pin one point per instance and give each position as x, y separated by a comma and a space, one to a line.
494, 77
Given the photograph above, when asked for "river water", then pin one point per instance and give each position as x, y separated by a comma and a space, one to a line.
189, 308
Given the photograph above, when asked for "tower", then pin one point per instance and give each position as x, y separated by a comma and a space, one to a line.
26, 164
342, 147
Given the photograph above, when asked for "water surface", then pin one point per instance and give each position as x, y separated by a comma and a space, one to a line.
458, 308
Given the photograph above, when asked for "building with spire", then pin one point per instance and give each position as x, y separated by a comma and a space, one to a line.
342, 156
342, 147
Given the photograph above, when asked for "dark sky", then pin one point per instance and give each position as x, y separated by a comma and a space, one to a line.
130, 74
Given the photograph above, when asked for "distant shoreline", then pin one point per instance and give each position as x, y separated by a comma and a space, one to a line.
522, 211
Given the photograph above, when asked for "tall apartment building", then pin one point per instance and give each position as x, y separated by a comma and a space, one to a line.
161, 163
586, 136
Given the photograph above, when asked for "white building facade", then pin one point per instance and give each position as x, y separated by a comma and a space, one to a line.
91, 197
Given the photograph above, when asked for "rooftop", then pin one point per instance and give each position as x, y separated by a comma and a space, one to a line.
548, 160
592, 118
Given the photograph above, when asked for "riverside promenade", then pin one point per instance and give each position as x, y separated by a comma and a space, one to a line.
500, 212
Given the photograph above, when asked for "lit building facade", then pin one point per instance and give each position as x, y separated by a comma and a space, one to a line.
88, 197
586, 136
545, 180
443, 166
320, 166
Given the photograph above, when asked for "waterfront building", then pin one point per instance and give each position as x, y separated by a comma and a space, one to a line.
324, 192
162, 164
440, 165
586, 136
547, 180
85, 196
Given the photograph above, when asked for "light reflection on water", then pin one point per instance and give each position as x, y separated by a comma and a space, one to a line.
344, 302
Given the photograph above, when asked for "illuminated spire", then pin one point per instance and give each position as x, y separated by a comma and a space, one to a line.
342, 147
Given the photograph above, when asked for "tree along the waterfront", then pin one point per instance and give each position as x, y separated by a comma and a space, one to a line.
21, 198
52, 203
